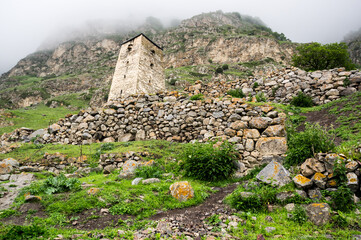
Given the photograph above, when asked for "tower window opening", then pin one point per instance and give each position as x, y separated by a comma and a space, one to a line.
151, 65
153, 52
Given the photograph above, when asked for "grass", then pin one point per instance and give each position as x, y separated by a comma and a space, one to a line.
36, 117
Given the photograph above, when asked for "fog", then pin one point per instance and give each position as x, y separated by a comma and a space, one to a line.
26, 24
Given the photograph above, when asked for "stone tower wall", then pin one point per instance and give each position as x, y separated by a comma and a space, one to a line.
139, 69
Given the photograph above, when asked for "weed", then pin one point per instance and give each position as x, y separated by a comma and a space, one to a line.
237, 93
148, 172
197, 97
260, 97
255, 85
302, 100
299, 214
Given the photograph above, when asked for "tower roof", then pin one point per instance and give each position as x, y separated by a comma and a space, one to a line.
142, 34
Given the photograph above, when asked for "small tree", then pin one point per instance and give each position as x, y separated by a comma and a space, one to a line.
315, 56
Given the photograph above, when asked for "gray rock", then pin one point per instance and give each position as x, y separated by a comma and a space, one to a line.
274, 173
290, 207
270, 229
302, 182
150, 180
4, 177
109, 169
125, 137
314, 194
352, 181
28, 169
136, 181
282, 196
219, 114
318, 213
38, 133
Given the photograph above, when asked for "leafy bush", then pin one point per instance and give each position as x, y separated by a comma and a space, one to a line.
208, 163
303, 145
148, 172
302, 100
342, 199
237, 93
260, 97
315, 56
225, 66
197, 97
219, 70
299, 214
54, 185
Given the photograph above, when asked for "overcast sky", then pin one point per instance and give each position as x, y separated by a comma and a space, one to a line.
25, 24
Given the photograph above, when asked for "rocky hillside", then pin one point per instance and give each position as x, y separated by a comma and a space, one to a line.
353, 41
86, 65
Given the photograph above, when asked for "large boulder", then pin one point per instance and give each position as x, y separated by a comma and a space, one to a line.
274, 173
182, 191
271, 146
318, 213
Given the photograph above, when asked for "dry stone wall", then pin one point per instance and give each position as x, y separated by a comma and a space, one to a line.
257, 131
282, 85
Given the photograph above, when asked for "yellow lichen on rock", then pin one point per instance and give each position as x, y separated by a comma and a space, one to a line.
182, 191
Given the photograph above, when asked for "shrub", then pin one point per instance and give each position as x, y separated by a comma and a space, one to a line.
315, 56
302, 100
172, 82
260, 97
237, 93
225, 66
342, 199
219, 70
148, 172
54, 185
255, 85
197, 97
208, 163
303, 145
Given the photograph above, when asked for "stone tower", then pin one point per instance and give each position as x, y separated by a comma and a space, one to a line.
139, 69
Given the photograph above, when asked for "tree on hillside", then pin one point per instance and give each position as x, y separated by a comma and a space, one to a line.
315, 56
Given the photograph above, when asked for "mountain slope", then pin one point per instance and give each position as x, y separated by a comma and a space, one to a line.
88, 63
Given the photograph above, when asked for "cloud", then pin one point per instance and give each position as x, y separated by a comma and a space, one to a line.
25, 24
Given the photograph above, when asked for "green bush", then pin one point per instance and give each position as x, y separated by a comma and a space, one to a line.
303, 145
204, 162
148, 172
260, 97
225, 67
237, 93
302, 100
197, 97
219, 70
315, 56
342, 199
54, 185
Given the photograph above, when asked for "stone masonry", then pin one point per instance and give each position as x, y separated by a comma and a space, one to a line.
257, 131
139, 69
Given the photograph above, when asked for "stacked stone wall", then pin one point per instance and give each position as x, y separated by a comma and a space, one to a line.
257, 130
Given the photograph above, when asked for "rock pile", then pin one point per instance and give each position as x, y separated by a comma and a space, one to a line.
317, 174
281, 85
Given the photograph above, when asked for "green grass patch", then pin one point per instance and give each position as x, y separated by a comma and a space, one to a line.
36, 117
